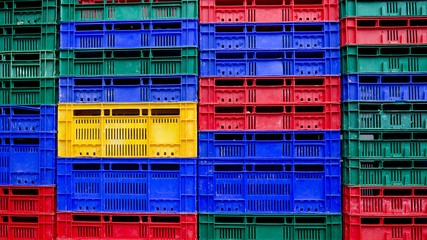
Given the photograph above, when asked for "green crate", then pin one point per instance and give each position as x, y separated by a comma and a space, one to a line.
29, 38
269, 227
34, 91
384, 144
40, 64
119, 62
27, 12
144, 10
384, 116
384, 172
384, 59
377, 8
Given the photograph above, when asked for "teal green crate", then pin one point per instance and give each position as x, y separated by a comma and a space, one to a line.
28, 12
41, 64
29, 38
384, 59
33, 91
125, 62
378, 8
384, 116
71, 10
269, 227
384, 172
384, 144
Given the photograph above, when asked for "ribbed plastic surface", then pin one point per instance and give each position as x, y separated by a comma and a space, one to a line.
28, 119
29, 38
28, 65
21, 200
17, 227
29, 91
379, 8
25, 12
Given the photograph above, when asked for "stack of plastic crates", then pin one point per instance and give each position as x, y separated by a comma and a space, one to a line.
127, 119
28, 41
269, 120
384, 117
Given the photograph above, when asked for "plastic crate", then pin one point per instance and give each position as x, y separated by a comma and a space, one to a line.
262, 117
269, 144
384, 59
126, 34
267, 36
179, 88
28, 38
269, 187
27, 64
269, 90
384, 116
27, 12
127, 185
226, 11
102, 226
269, 227
384, 172
383, 87
127, 130
20, 200
385, 201
383, 228
270, 63
31, 91
29, 227
384, 31
28, 119
379, 8
125, 62
102, 10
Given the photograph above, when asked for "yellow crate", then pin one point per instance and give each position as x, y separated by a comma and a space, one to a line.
127, 130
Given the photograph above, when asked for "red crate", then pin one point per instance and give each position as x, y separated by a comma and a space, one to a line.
385, 201
238, 11
126, 226
28, 227
270, 117
383, 31
27, 200
384, 228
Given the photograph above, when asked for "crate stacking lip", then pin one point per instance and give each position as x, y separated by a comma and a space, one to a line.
24, 12
20, 200
379, 8
384, 87
29, 38
127, 130
40, 64
384, 59
224, 11
28, 119
179, 88
269, 186
129, 34
385, 201
267, 36
269, 144
262, 227
27, 226
127, 185
125, 62
383, 31
382, 228
102, 226
270, 63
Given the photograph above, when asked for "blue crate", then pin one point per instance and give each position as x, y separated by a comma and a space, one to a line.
28, 159
384, 87
270, 63
180, 88
269, 144
267, 36
269, 186
27, 119
128, 34
127, 185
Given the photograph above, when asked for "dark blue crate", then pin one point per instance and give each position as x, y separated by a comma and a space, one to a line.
270, 63
394, 87
267, 36
129, 34
27, 119
127, 185
28, 159
180, 88
269, 144
269, 186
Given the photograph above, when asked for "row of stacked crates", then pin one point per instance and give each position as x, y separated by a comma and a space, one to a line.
269, 120
384, 67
